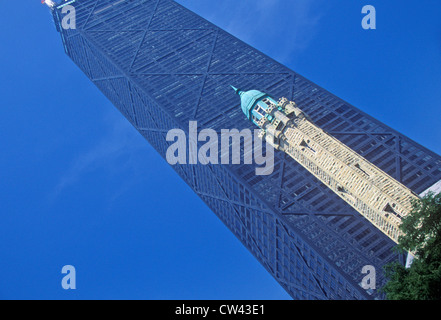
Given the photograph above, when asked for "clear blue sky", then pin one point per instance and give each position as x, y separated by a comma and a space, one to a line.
80, 186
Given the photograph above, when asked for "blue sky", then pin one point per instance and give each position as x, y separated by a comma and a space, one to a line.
80, 186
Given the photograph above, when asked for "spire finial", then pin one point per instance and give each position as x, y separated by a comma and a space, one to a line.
235, 89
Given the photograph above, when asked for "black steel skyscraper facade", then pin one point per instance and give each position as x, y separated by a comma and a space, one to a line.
162, 66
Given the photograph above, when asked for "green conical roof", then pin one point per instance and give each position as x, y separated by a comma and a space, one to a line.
249, 99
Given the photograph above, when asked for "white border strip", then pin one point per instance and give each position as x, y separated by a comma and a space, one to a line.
436, 188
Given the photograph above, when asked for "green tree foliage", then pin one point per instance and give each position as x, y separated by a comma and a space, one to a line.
422, 236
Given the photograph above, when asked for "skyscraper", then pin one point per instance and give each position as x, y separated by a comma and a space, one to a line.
162, 66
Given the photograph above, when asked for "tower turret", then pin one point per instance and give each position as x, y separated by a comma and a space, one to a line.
373, 193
